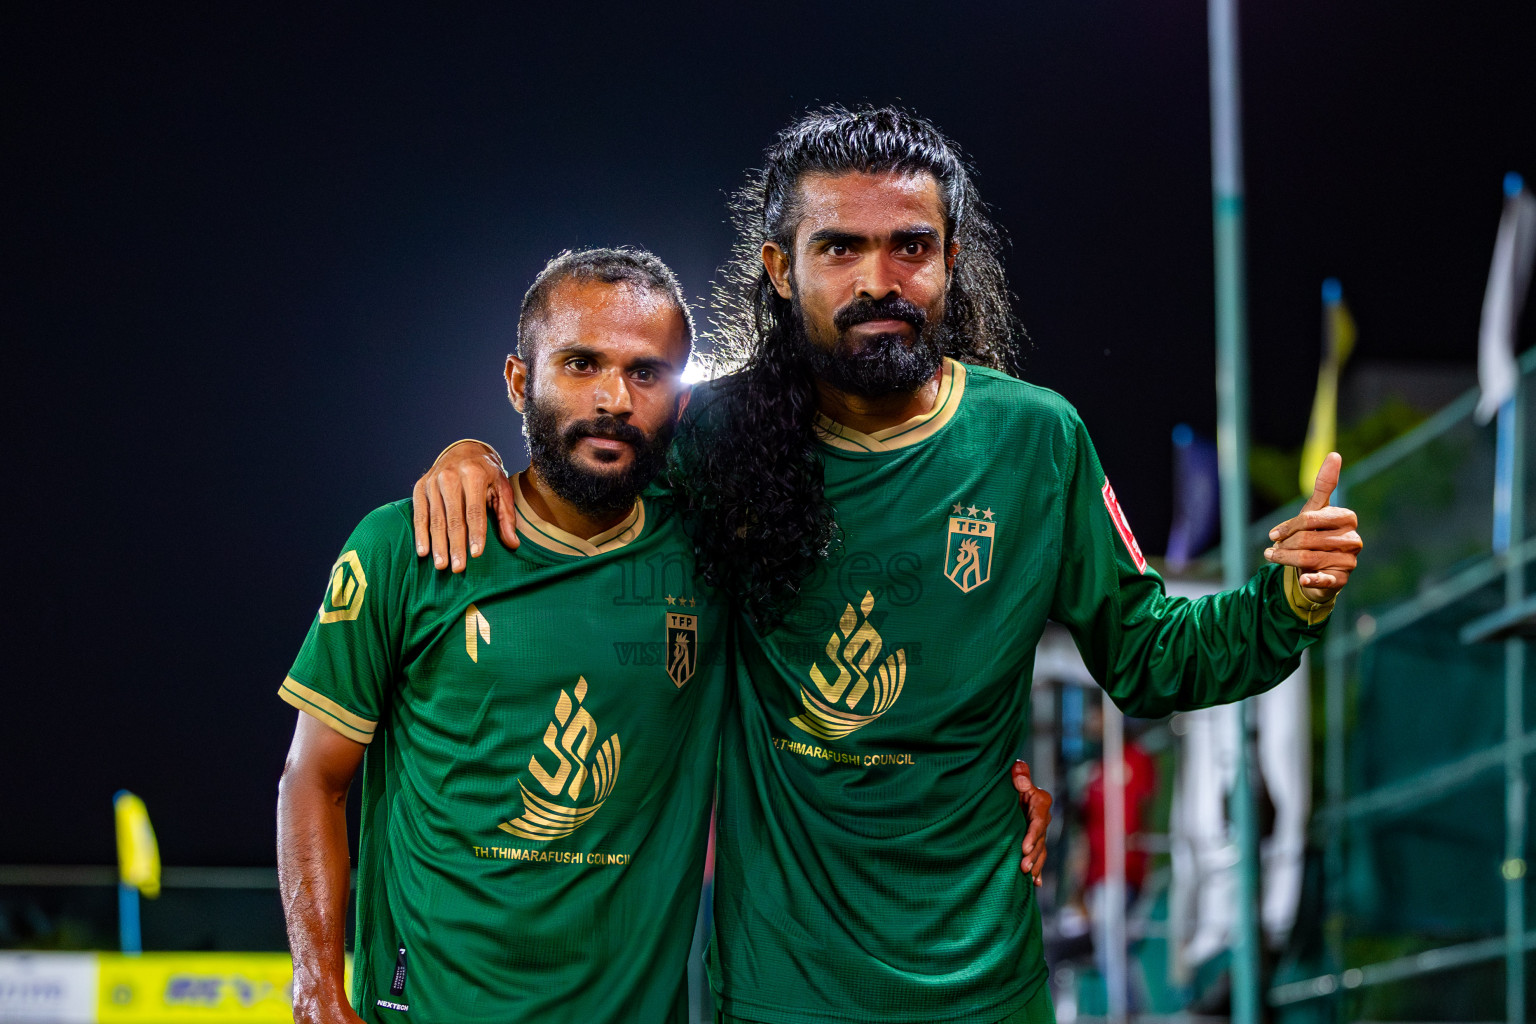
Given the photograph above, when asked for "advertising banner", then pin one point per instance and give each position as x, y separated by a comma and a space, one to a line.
169, 987
48, 988
166, 988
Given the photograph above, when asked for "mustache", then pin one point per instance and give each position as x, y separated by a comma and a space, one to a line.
610, 427
892, 307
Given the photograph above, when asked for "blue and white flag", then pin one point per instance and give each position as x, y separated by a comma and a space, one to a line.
1508, 279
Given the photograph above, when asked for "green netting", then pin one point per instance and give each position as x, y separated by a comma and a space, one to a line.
1420, 853
1429, 877
1424, 517
1528, 399
1422, 697
1472, 993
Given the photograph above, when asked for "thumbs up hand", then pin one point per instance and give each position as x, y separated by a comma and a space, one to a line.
1321, 541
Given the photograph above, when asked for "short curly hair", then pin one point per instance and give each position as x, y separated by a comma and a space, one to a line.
625, 265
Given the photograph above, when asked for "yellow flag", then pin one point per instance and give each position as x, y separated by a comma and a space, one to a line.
138, 855
1338, 343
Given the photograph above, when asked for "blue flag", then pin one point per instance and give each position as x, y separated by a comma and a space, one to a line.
1196, 497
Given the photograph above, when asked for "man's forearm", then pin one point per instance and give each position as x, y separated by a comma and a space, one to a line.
1169, 655
313, 874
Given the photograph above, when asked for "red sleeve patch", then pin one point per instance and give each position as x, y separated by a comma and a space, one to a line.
1117, 516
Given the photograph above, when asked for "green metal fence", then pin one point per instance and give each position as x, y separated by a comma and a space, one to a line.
1428, 728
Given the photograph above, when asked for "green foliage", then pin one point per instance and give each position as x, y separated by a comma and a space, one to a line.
1274, 470
1473, 992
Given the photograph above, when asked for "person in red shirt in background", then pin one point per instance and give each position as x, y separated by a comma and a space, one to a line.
1140, 788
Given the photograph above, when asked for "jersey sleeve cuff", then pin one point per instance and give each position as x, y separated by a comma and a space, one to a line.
313, 702
1307, 610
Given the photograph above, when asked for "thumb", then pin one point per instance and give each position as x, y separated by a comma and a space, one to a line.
1022, 781
504, 498
1327, 480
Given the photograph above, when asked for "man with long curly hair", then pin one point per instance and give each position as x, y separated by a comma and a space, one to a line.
898, 516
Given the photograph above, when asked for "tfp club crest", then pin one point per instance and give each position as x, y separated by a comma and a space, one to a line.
682, 647
968, 551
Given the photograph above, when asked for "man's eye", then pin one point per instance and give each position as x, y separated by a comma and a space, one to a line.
579, 364
914, 248
645, 376
838, 250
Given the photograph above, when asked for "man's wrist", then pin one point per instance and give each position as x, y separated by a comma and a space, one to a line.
321, 999
1307, 610
467, 440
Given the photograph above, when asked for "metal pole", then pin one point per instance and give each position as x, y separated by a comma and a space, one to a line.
1232, 455
128, 934
1336, 665
1115, 962
1511, 442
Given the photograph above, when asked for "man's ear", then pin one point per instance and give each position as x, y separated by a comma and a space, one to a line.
517, 382
950, 252
776, 262
682, 400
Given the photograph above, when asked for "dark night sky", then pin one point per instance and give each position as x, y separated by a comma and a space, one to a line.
263, 267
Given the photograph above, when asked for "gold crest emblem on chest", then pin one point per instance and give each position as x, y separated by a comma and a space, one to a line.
682, 647
968, 548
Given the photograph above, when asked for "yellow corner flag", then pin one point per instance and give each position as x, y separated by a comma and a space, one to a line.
138, 855
1338, 342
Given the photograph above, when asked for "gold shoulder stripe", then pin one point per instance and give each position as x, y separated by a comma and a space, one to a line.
550, 537
317, 704
1307, 610
909, 432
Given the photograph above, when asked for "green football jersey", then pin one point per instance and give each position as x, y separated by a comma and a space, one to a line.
868, 840
543, 738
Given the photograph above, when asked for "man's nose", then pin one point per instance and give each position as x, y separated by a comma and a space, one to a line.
879, 278
612, 396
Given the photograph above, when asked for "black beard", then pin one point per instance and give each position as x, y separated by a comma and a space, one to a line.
886, 364
594, 494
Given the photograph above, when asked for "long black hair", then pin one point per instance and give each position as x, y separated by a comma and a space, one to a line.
748, 467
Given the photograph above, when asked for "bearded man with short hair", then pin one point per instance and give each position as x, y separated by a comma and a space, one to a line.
535, 794
898, 516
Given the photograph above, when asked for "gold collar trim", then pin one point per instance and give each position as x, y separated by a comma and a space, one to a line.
909, 432
547, 535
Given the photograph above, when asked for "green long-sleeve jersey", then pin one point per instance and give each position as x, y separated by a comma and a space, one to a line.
868, 841
542, 734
